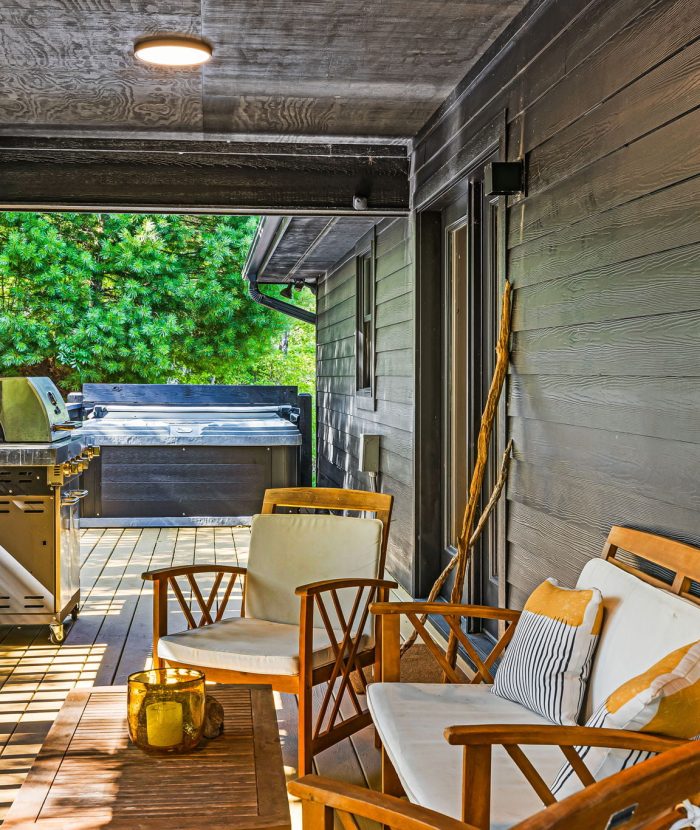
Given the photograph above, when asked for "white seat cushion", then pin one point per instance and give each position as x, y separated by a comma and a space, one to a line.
246, 645
641, 625
411, 718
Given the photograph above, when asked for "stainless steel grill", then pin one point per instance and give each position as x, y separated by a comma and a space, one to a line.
190, 455
42, 456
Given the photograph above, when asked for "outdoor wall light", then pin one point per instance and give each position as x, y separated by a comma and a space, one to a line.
174, 50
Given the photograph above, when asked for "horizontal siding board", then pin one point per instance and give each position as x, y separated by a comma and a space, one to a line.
598, 504
394, 232
338, 348
486, 136
336, 288
397, 310
661, 283
344, 310
398, 257
396, 389
557, 40
629, 54
523, 63
398, 363
667, 345
387, 413
339, 331
633, 171
336, 367
396, 336
344, 432
344, 386
658, 222
657, 407
395, 285
550, 545
627, 461
654, 99
393, 465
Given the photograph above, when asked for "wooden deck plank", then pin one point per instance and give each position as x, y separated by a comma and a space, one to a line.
158, 550
112, 638
115, 631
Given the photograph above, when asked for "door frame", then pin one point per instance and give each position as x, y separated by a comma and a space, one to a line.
428, 366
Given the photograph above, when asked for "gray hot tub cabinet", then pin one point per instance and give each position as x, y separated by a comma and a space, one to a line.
190, 454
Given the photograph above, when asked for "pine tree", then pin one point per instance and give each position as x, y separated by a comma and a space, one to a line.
137, 298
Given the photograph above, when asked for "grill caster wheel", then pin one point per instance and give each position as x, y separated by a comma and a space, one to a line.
75, 613
57, 633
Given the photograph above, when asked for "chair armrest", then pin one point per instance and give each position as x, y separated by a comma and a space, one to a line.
535, 735
184, 570
313, 588
445, 609
389, 613
319, 795
164, 578
479, 740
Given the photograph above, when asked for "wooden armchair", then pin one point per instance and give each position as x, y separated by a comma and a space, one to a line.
651, 608
645, 797
292, 636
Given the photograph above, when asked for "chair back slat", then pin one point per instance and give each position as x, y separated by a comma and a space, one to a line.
678, 559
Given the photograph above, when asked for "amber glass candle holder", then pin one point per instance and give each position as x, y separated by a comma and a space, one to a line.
165, 709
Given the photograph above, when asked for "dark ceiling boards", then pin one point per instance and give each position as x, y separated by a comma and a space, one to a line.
310, 67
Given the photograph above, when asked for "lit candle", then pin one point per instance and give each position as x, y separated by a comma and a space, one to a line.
164, 723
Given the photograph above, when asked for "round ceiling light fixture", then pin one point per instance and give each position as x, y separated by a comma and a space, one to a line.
173, 50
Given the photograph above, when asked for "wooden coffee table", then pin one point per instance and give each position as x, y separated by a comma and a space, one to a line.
88, 775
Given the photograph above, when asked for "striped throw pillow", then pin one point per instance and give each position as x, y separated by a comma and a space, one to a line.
546, 665
664, 700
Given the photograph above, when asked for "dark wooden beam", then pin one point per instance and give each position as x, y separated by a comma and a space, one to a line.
184, 176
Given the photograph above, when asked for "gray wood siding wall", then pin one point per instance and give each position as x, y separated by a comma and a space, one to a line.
602, 99
340, 420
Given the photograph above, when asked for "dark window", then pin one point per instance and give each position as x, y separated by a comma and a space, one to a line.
365, 324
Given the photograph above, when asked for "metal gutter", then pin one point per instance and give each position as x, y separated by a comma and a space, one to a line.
267, 237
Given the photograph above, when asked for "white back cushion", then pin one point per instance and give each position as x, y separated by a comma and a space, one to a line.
641, 625
288, 550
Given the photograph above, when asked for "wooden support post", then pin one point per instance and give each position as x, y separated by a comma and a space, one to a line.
476, 786
306, 752
391, 785
315, 816
390, 647
160, 617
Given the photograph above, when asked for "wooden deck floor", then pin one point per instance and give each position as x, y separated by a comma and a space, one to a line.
111, 639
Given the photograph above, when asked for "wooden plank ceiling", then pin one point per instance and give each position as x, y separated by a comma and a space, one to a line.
374, 68
305, 247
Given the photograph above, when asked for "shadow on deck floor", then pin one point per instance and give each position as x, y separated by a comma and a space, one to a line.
112, 638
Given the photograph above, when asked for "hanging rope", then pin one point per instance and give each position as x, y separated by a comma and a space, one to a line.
469, 536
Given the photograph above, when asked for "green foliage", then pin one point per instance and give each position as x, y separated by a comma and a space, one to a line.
292, 362
141, 299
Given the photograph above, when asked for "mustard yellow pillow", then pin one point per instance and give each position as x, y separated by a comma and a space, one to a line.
546, 665
665, 700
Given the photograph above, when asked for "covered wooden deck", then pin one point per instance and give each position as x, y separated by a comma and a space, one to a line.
112, 638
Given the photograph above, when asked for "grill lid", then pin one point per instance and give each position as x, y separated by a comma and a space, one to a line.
32, 411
